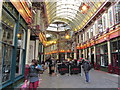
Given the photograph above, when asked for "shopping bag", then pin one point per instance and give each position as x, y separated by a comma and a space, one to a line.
25, 86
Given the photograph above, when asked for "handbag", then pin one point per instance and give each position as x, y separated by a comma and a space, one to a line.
25, 85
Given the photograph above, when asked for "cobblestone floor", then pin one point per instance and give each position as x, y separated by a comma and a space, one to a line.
98, 79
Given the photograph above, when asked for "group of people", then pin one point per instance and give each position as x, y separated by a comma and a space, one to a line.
86, 65
35, 68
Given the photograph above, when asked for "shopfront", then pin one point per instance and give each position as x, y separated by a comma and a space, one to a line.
13, 35
78, 53
68, 54
92, 55
115, 55
102, 56
61, 56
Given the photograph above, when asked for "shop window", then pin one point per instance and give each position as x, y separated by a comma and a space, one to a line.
114, 47
6, 45
102, 55
100, 26
82, 53
7, 28
115, 53
117, 13
68, 55
119, 45
20, 50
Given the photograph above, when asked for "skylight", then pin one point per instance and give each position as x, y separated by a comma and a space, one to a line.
67, 8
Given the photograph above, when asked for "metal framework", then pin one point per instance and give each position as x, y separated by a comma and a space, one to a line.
70, 13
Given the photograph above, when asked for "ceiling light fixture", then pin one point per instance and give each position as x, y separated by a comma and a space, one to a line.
84, 7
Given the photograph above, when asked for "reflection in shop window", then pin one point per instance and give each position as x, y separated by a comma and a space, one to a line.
20, 50
114, 47
6, 45
102, 55
115, 54
6, 62
119, 45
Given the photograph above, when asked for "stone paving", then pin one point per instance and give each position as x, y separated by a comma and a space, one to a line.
98, 79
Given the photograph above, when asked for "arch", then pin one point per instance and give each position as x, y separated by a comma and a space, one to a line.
72, 24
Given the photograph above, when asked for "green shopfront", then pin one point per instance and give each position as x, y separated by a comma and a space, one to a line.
13, 35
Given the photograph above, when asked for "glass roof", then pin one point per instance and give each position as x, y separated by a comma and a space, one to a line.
68, 11
58, 27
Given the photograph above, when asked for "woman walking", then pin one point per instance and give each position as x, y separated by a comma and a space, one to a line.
33, 74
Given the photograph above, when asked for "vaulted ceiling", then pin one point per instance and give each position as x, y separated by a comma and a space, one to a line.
68, 11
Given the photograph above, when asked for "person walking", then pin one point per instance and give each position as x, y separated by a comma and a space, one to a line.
86, 67
33, 74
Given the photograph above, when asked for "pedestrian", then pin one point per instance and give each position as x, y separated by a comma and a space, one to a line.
33, 74
53, 66
86, 67
50, 65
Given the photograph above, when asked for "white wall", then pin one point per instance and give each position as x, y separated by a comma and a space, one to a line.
28, 44
31, 51
36, 50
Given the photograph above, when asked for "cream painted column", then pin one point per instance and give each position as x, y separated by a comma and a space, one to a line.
42, 54
1, 34
38, 17
57, 46
86, 53
75, 55
65, 55
94, 53
79, 53
28, 45
83, 53
109, 52
75, 51
36, 49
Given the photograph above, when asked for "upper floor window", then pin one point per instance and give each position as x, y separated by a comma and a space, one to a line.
100, 26
104, 21
82, 37
91, 32
78, 39
87, 35
110, 16
117, 13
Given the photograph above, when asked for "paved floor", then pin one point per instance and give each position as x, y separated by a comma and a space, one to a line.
98, 79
